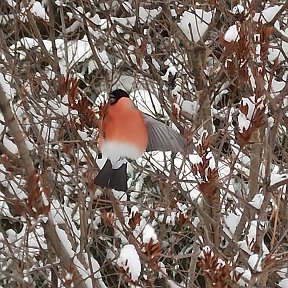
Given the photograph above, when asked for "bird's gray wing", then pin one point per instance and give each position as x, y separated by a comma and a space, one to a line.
164, 138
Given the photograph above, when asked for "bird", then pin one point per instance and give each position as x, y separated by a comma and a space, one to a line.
126, 133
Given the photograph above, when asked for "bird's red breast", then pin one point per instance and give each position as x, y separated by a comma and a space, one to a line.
123, 132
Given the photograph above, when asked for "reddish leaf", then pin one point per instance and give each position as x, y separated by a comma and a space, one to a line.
135, 220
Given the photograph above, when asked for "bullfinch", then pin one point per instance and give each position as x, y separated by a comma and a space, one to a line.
126, 133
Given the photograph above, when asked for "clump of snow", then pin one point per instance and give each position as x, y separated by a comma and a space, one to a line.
244, 120
206, 250
147, 102
257, 201
7, 88
64, 239
127, 21
231, 222
267, 14
11, 235
36, 9
195, 23
156, 64
96, 20
171, 71
39, 11
58, 108
283, 283
149, 235
255, 262
14, 188
196, 221
190, 107
251, 236
276, 176
238, 9
4, 208
84, 272
11, 3
245, 277
171, 219
129, 260
232, 34
127, 6
61, 2
173, 284
10, 145
146, 15
134, 210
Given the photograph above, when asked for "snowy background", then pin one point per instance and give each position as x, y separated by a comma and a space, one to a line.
215, 73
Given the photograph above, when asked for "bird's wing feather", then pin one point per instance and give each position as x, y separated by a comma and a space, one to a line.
164, 138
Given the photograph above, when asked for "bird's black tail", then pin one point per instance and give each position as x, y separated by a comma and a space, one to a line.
112, 178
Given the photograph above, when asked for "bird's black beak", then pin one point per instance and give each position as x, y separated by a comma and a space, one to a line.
112, 100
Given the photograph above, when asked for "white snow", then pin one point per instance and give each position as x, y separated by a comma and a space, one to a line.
61, 2
195, 23
231, 222
172, 70
206, 250
156, 64
83, 135
47, 131
257, 201
149, 235
127, 6
245, 278
14, 188
173, 284
129, 260
39, 11
146, 15
147, 102
61, 214
5, 83
134, 210
220, 264
250, 238
283, 283
96, 20
78, 51
238, 9
127, 21
83, 272
245, 120
190, 107
11, 3
267, 14
103, 56
29, 145
255, 262
65, 241
276, 176
11, 235
4, 208
29, 241
10, 145
232, 34
58, 107
74, 52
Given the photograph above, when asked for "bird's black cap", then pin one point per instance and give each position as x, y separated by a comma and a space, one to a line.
116, 95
